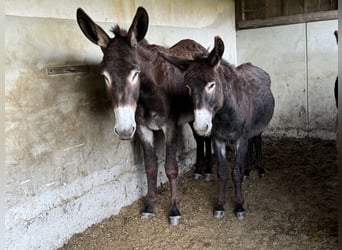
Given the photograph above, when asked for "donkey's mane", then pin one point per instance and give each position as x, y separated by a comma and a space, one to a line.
118, 32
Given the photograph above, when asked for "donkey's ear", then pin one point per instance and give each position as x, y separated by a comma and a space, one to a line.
180, 62
91, 30
217, 52
138, 28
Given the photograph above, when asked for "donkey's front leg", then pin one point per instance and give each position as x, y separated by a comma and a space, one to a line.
203, 157
151, 168
171, 170
222, 173
240, 152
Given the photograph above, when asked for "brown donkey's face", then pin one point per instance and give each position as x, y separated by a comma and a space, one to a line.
119, 67
204, 85
120, 70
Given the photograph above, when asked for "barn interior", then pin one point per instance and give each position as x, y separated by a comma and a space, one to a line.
65, 168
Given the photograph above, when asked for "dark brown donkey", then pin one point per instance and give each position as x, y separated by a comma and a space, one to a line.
232, 104
147, 94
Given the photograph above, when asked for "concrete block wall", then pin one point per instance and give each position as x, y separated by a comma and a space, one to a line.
303, 63
65, 168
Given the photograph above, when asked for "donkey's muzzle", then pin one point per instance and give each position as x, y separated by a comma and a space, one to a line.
204, 131
202, 122
125, 125
126, 134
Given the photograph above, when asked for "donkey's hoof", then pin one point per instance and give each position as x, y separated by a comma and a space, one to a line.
208, 177
147, 215
240, 214
175, 220
246, 177
262, 174
219, 214
197, 176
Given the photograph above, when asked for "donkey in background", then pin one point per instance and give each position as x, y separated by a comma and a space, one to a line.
147, 94
232, 105
336, 95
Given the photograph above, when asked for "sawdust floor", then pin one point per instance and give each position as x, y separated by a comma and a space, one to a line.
293, 207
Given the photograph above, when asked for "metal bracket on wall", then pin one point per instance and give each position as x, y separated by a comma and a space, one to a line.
55, 70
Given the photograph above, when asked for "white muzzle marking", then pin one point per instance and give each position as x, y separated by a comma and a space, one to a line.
125, 125
202, 122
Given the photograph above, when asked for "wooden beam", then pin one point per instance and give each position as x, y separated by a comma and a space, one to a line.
284, 20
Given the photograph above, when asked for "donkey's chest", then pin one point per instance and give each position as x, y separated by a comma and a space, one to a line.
152, 111
228, 127
158, 111
227, 132
154, 121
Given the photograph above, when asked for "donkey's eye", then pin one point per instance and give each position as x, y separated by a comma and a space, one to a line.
210, 86
189, 89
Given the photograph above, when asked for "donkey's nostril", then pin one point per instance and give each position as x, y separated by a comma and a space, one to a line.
116, 131
125, 133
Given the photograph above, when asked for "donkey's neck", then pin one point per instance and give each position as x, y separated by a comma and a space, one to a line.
230, 84
148, 55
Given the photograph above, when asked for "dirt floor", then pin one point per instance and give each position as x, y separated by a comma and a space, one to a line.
293, 207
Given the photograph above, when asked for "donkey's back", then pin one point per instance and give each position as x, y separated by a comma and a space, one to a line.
254, 85
187, 48
253, 77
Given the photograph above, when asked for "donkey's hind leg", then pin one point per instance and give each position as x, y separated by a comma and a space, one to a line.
249, 159
199, 164
208, 161
254, 143
258, 152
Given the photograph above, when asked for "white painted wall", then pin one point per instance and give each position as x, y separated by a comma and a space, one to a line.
302, 61
169, 20
65, 169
